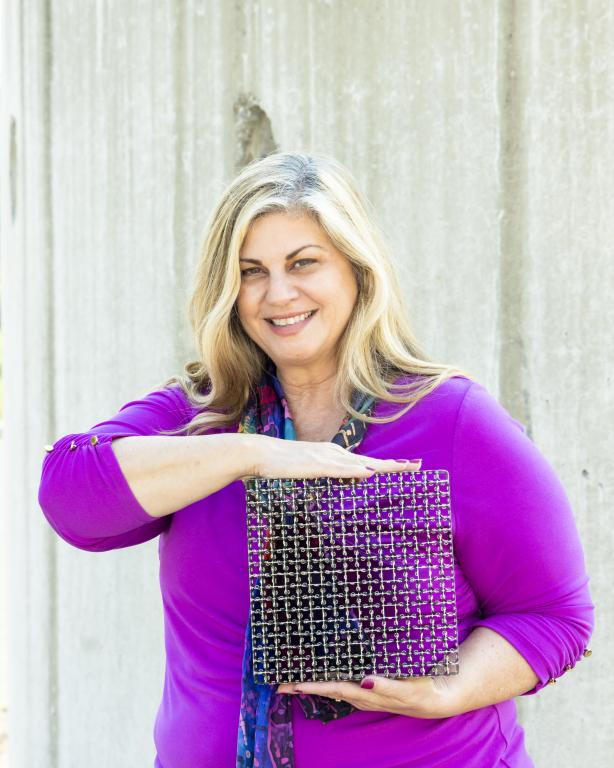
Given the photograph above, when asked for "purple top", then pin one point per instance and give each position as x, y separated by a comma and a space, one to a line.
519, 570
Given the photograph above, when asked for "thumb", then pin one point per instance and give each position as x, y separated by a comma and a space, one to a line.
376, 682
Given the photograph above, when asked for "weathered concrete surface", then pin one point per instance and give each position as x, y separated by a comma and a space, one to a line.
4, 693
481, 132
556, 360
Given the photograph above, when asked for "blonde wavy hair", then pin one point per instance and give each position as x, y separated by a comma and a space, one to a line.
377, 346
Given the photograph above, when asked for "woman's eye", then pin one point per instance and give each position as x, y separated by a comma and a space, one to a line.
250, 270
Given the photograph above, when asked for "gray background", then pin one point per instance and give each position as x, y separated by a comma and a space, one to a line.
483, 134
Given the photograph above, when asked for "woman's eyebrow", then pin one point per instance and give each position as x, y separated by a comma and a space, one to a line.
289, 256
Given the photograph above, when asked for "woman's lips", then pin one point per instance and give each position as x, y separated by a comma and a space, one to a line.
290, 330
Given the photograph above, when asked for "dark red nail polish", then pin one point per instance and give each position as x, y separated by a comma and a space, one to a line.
367, 684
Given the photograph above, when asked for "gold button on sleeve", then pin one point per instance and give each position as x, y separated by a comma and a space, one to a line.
48, 448
552, 681
94, 440
587, 652
73, 446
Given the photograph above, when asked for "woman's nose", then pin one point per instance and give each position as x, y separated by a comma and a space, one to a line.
280, 289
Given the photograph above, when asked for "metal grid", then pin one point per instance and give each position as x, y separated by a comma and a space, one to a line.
351, 577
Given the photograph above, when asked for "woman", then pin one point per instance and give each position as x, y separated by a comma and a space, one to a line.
307, 368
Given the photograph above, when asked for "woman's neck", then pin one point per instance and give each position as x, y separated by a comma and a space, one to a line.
309, 394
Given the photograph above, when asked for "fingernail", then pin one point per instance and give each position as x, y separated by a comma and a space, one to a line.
367, 684
402, 461
371, 468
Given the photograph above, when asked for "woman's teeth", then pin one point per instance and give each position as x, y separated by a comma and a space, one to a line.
293, 320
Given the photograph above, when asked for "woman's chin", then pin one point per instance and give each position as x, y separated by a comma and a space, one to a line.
305, 356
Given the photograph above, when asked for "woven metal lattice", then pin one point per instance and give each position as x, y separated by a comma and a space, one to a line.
351, 577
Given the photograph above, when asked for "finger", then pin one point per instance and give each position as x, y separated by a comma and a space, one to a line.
396, 465
372, 466
381, 465
286, 688
335, 690
351, 690
351, 468
392, 690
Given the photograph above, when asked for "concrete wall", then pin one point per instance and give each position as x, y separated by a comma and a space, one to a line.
482, 133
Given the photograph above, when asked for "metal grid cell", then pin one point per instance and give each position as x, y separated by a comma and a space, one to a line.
351, 577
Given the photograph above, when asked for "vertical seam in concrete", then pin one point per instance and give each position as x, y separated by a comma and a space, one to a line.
51, 545
239, 84
179, 248
20, 211
512, 161
239, 45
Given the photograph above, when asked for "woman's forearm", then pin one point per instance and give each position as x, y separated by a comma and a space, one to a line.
168, 473
490, 670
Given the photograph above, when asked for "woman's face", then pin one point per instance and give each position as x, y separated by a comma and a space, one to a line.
290, 267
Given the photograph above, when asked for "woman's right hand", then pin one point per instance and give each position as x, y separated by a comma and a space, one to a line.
275, 457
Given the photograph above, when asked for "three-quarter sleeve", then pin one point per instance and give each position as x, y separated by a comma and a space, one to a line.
516, 540
83, 492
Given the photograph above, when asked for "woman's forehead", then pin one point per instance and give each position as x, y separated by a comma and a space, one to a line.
282, 232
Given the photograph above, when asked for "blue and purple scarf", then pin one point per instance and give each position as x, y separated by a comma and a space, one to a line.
265, 724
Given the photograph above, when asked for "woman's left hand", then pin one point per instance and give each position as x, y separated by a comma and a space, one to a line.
490, 670
423, 697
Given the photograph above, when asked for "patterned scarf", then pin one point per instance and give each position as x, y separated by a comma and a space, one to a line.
265, 725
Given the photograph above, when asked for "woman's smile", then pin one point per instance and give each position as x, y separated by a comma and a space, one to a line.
292, 325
